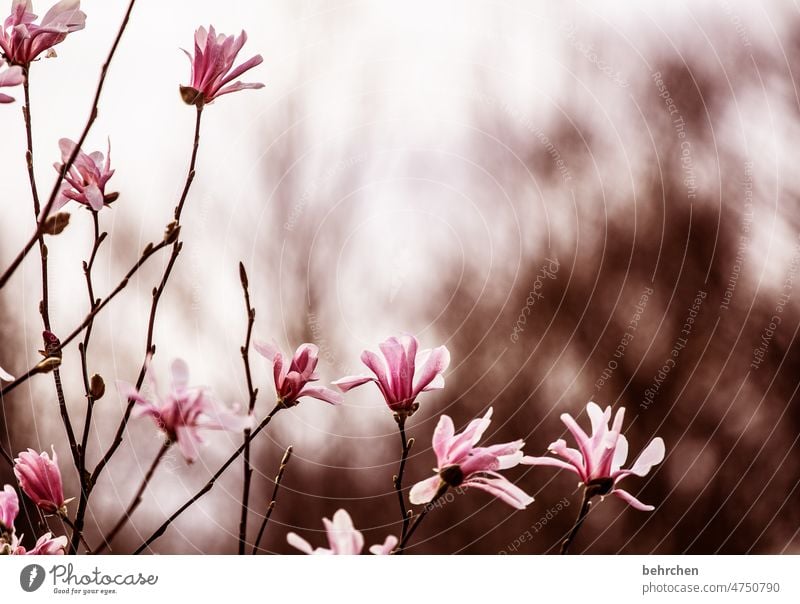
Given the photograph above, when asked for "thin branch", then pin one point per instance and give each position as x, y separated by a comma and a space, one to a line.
137, 499
42, 217
443, 486
284, 462
397, 479
47, 364
83, 348
253, 395
150, 349
208, 486
65, 520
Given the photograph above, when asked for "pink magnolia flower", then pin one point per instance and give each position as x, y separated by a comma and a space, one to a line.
40, 479
401, 372
292, 379
461, 464
343, 539
22, 40
86, 179
46, 545
184, 411
599, 457
9, 508
212, 67
5, 375
10, 77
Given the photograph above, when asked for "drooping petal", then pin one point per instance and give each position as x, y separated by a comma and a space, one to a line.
386, 548
503, 489
549, 461
323, 394
632, 501
349, 382
653, 454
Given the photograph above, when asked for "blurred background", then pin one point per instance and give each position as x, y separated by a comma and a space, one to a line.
424, 167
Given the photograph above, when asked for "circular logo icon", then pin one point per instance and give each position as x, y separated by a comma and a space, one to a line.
31, 577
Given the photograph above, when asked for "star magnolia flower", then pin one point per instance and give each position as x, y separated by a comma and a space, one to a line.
401, 372
212, 67
10, 77
22, 40
46, 545
184, 411
40, 479
599, 457
292, 380
86, 179
5, 375
343, 539
9, 508
461, 463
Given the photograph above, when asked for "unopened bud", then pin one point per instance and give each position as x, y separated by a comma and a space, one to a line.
56, 223
172, 231
97, 387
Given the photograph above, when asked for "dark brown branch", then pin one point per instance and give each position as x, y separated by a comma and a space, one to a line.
443, 486
253, 395
209, 485
42, 217
397, 479
588, 493
284, 462
137, 499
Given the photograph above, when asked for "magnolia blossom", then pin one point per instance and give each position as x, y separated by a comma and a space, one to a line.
184, 411
46, 545
401, 372
86, 179
343, 539
599, 458
461, 464
9, 508
22, 40
5, 375
212, 67
292, 379
40, 479
10, 77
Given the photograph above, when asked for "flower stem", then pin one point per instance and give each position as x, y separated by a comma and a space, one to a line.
41, 217
65, 520
588, 493
253, 394
207, 487
284, 462
443, 486
137, 499
397, 479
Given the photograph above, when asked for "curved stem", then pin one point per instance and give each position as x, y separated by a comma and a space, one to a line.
208, 486
588, 493
286, 456
443, 486
137, 499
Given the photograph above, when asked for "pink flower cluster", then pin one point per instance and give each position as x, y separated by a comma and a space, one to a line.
40, 479
22, 40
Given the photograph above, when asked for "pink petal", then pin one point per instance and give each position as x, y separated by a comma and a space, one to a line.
298, 542
652, 455
425, 491
441, 438
632, 501
5, 375
503, 489
429, 366
268, 350
180, 375
323, 394
352, 381
384, 550
549, 461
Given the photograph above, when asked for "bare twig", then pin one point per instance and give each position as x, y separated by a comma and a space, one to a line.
208, 486
253, 395
137, 499
271, 506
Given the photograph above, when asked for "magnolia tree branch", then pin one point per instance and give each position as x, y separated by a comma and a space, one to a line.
443, 486
150, 348
42, 217
209, 485
284, 462
588, 493
397, 479
253, 395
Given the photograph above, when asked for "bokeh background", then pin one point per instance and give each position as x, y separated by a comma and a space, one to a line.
412, 167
